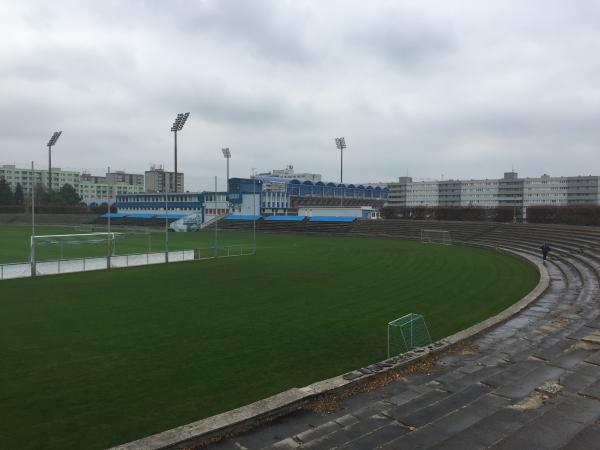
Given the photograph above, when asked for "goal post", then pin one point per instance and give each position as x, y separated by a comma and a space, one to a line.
406, 333
436, 237
78, 245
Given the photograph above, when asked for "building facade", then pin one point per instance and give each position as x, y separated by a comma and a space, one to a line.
289, 173
93, 189
158, 180
98, 190
509, 191
132, 179
97, 193
28, 179
281, 196
207, 204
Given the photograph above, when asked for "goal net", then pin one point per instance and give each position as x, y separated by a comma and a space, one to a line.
436, 237
405, 333
71, 246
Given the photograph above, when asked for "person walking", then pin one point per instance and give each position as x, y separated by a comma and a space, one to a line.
545, 250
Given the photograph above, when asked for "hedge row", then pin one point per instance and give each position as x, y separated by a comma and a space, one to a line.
568, 215
45, 209
504, 214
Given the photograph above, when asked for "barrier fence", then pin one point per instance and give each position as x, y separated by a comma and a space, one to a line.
24, 270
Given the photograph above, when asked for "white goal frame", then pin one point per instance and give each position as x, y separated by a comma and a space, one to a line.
436, 237
80, 238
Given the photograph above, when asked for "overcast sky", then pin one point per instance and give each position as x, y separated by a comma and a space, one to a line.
459, 88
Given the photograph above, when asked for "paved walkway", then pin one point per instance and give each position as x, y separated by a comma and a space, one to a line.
533, 383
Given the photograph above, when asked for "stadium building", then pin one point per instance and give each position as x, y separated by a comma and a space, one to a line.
509, 191
284, 196
203, 205
288, 172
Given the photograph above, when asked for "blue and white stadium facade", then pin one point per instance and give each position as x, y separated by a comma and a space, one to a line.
207, 205
273, 195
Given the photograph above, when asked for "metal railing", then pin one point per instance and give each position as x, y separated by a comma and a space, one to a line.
86, 264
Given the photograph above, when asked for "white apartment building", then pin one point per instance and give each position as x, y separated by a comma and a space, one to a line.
98, 193
91, 189
479, 193
15, 175
423, 193
510, 191
545, 190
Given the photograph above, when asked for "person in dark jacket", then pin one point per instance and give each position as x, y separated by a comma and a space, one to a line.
545, 250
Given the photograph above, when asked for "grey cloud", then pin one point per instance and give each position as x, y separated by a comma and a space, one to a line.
407, 41
463, 89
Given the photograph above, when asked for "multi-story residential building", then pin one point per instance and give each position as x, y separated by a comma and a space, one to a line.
158, 180
583, 189
509, 191
133, 179
424, 193
480, 193
99, 193
96, 190
92, 189
15, 175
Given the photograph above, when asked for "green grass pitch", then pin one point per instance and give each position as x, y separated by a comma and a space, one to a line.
95, 359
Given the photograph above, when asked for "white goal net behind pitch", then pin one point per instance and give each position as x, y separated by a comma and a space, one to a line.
63, 246
436, 237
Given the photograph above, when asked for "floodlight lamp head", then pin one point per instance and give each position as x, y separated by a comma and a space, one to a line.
54, 138
182, 118
226, 152
340, 143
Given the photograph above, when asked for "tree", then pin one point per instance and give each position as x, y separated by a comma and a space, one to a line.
6, 195
19, 197
68, 195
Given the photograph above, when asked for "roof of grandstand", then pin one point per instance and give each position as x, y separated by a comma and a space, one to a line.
242, 217
286, 218
318, 183
333, 219
143, 216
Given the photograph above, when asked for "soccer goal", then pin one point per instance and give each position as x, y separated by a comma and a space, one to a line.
58, 247
436, 237
405, 333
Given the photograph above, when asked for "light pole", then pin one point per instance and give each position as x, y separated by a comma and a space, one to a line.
32, 243
227, 155
340, 143
166, 224
254, 207
50, 144
178, 126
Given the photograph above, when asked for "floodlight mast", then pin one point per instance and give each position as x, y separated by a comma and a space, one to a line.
340, 143
178, 126
227, 156
50, 144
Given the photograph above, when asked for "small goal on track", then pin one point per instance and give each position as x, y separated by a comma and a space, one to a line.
436, 237
406, 333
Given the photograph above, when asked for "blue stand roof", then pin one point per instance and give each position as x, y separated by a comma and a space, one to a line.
242, 217
340, 219
286, 218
